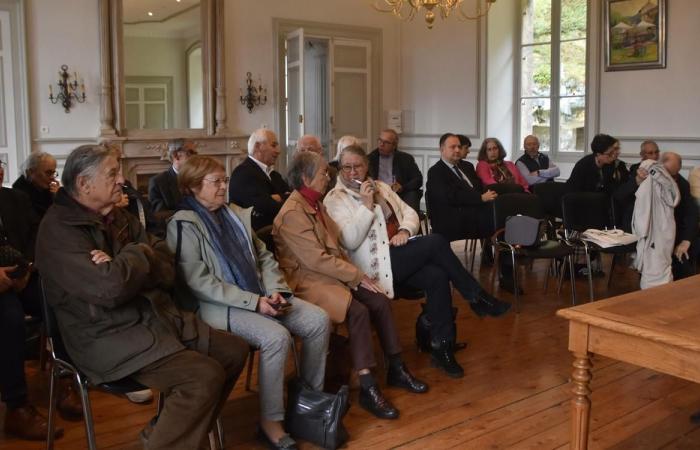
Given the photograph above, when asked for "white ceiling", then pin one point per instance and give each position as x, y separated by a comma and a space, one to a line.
171, 18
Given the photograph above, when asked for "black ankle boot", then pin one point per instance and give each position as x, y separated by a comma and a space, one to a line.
443, 357
372, 399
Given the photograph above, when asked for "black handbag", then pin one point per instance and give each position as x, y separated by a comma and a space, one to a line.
9, 256
316, 416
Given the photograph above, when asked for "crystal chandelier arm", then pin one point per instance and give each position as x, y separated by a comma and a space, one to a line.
479, 12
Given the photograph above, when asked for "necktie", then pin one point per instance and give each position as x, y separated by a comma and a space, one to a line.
461, 175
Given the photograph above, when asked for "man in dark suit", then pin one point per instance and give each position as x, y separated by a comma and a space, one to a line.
455, 197
255, 184
20, 295
162, 188
396, 168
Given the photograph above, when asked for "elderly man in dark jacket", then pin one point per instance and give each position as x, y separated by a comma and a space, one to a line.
108, 281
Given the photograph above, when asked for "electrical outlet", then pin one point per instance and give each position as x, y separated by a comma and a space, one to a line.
44, 129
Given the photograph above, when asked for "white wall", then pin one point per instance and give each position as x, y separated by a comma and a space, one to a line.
64, 32
662, 104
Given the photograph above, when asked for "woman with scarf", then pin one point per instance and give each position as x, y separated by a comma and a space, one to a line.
316, 267
379, 231
235, 284
492, 167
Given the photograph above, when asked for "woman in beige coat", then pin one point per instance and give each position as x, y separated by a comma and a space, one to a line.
317, 269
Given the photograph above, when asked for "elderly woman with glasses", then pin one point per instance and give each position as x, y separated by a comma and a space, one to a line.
238, 287
379, 231
39, 181
317, 268
493, 168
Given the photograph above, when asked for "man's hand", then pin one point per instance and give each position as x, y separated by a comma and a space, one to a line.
124, 202
21, 283
396, 187
367, 283
400, 238
6, 283
642, 174
277, 198
682, 250
100, 257
488, 196
266, 306
53, 186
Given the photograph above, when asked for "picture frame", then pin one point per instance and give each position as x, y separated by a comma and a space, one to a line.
635, 34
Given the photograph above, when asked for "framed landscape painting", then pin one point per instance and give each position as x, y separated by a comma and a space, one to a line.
635, 34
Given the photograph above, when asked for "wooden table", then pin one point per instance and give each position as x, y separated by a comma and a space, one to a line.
657, 328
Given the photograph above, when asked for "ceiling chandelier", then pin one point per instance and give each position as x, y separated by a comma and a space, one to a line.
407, 9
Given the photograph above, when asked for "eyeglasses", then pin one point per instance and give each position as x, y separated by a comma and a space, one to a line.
349, 168
218, 181
381, 141
51, 173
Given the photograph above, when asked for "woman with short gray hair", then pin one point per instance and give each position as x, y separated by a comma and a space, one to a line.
39, 181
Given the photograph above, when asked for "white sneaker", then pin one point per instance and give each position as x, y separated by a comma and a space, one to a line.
143, 396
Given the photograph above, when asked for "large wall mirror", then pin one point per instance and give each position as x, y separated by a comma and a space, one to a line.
163, 74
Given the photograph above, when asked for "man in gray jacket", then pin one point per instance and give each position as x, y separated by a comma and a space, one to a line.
108, 282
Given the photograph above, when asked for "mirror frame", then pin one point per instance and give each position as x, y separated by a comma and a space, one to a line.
112, 103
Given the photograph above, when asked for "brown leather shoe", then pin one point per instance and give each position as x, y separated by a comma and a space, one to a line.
28, 423
69, 405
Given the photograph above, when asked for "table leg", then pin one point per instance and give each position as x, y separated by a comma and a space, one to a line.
581, 402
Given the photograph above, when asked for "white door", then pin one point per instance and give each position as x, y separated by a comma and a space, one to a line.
8, 127
294, 87
350, 90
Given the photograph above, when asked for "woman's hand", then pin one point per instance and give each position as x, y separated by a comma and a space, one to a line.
367, 283
400, 238
367, 193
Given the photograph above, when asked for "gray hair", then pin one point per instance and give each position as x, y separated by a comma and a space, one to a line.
84, 161
353, 150
174, 146
304, 164
648, 141
257, 137
33, 161
345, 141
305, 141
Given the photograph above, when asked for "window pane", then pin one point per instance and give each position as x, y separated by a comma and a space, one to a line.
572, 115
534, 119
536, 71
573, 68
537, 21
573, 19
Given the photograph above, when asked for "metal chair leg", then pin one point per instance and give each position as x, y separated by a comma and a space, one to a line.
573, 279
53, 400
473, 254
590, 276
87, 412
220, 432
515, 283
612, 267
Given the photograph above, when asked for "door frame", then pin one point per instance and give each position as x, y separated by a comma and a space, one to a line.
280, 28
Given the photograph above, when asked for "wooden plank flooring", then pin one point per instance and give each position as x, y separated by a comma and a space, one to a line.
515, 393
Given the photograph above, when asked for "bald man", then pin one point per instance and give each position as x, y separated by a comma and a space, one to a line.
310, 143
686, 215
534, 166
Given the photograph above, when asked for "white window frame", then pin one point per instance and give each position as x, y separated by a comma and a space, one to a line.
554, 97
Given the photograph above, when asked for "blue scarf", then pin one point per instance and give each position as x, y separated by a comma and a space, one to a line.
230, 245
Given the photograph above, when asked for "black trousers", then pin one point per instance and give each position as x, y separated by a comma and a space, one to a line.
428, 263
13, 308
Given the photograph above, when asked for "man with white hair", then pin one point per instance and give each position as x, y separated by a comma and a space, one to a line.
39, 181
255, 183
310, 143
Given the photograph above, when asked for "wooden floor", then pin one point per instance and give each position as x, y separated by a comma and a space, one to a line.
515, 393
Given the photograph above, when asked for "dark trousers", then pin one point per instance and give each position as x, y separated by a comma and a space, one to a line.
685, 268
368, 308
196, 387
428, 263
13, 308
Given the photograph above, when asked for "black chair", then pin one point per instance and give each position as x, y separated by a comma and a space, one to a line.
584, 210
265, 235
62, 365
508, 205
504, 188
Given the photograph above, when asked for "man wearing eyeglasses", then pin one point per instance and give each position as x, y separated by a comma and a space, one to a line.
396, 168
39, 181
163, 192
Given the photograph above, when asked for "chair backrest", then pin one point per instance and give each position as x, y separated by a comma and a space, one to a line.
265, 235
507, 205
504, 188
584, 210
550, 195
51, 326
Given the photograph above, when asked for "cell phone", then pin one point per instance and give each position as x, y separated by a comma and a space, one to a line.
283, 307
